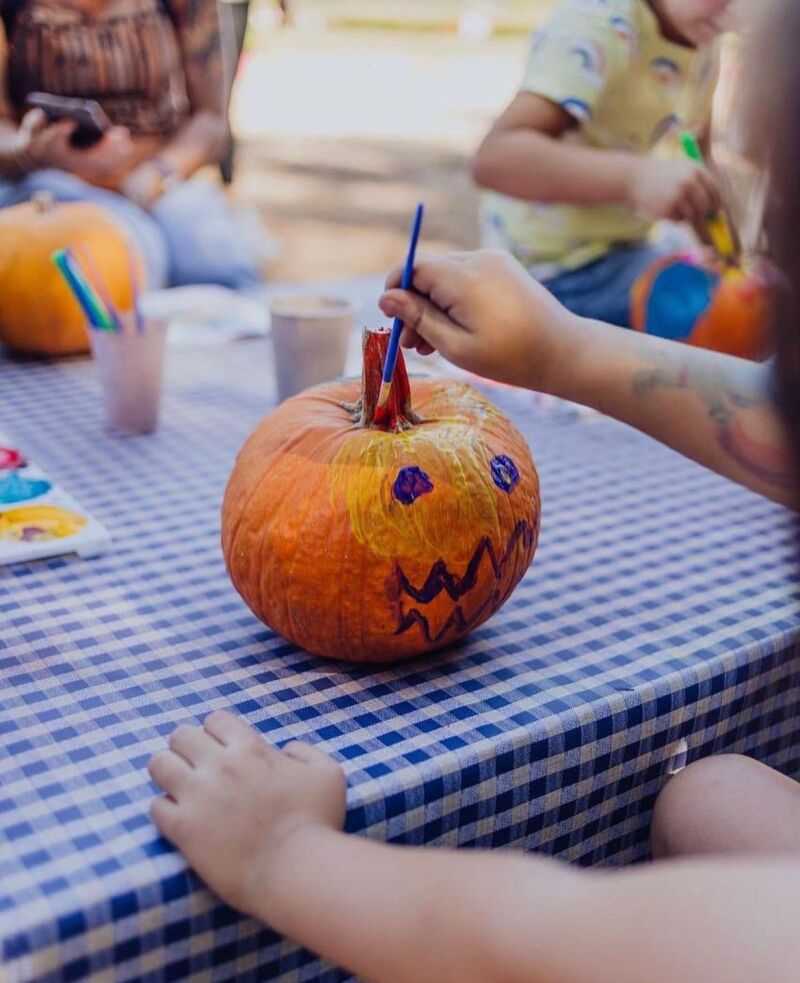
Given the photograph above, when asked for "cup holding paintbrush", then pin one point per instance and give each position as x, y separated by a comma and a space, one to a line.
130, 362
128, 348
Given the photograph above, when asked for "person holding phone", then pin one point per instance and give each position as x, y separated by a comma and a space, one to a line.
149, 74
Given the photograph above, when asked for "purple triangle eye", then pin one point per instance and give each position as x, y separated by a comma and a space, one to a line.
504, 473
409, 484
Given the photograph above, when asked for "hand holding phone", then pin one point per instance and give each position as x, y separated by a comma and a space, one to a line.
88, 116
46, 144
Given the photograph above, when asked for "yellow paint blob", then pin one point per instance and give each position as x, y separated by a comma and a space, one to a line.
39, 523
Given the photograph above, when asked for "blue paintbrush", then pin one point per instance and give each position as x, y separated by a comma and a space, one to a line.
397, 326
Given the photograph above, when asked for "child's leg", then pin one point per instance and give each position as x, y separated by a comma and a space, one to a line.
727, 803
601, 290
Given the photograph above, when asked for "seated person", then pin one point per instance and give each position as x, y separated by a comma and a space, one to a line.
572, 167
155, 67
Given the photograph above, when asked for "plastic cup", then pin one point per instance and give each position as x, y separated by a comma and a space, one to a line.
310, 335
131, 364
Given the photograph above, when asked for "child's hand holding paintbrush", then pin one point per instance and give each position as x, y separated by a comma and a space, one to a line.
717, 223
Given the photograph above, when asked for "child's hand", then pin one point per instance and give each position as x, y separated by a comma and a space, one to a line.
680, 190
483, 312
232, 802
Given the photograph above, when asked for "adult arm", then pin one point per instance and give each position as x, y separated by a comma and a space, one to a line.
202, 139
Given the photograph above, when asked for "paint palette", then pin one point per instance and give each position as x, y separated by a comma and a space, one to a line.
37, 518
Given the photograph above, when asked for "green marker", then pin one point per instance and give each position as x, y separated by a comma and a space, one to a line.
691, 147
718, 227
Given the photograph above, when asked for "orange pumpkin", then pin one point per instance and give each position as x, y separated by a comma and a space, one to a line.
374, 537
38, 314
694, 297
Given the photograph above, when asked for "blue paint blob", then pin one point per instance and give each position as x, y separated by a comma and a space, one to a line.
410, 483
15, 488
680, 295
504, 473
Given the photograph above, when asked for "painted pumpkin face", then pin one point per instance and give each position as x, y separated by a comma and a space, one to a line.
694, 298
375, 540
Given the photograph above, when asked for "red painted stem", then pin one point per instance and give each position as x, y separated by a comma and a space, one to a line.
397, 414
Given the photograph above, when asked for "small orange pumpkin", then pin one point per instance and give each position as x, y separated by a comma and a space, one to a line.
374, 537
38, 314
695, 298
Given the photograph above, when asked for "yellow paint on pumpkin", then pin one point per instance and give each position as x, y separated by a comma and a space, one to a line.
455, 458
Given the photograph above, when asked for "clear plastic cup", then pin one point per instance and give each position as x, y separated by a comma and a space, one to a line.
131, 364
310, 336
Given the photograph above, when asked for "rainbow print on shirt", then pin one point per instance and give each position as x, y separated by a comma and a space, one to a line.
666, 71
577, 108
625, 30
592, 60
667, 125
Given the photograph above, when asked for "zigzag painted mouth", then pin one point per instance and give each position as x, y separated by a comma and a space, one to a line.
441, 579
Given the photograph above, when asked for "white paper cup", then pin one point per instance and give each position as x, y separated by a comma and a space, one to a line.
131, 363
310, 339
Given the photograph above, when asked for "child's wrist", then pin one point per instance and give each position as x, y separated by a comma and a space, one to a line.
557, 368
552, 351
631, 168
278, 879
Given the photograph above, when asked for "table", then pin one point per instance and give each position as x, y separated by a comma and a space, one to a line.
658, 624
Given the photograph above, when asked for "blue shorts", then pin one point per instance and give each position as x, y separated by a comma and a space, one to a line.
602, 289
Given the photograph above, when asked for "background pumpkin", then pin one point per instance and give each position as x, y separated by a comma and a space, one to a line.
376, 542
696, 298
38, 314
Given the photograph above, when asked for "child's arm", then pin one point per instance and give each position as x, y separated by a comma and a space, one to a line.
483, 312
523, 157
262, 827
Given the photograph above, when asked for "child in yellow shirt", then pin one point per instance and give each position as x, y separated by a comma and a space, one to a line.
575, 168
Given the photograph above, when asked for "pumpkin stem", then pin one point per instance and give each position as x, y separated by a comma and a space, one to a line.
397, 414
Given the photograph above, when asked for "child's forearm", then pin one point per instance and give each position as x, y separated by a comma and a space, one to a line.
399, 915
713, 408
396, 915
533, 166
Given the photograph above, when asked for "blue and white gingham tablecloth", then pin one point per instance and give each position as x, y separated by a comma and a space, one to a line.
658, 623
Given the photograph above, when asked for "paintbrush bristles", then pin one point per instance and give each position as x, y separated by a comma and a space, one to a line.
383, 395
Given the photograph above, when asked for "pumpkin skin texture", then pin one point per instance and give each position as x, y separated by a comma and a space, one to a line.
373, 537
38, 314
695, 298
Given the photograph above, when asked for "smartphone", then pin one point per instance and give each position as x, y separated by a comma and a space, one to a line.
91, 121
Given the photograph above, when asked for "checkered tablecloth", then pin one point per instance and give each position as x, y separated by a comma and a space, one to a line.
657, 625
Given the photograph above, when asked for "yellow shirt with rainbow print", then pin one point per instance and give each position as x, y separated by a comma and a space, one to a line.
628, 88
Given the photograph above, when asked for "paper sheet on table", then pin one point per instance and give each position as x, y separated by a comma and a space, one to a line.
206, 315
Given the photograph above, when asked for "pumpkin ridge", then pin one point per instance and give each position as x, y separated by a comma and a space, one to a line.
265, 547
